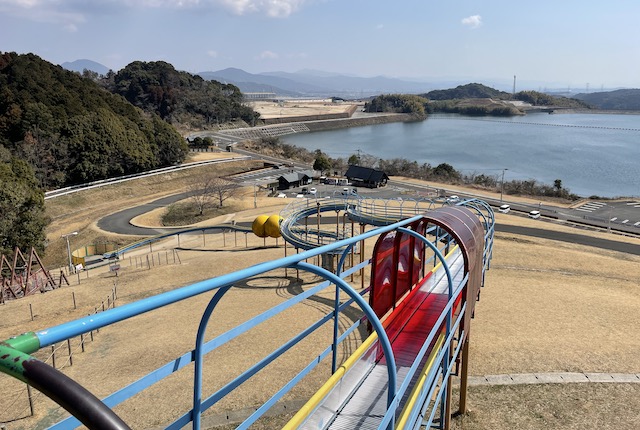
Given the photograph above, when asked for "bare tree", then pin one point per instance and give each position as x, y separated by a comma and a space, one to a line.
222, 189
205, 189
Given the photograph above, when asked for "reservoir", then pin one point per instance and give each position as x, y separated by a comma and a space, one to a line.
593, 154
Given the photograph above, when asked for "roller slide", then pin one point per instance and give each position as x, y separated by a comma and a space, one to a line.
359, 398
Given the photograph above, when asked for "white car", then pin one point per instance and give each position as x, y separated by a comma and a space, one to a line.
534, 214
453, 199
313, 191
282, 196
504, 209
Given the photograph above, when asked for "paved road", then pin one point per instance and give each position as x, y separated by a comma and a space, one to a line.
119, 223
576, 238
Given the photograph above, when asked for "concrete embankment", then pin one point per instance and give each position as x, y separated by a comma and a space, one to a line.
334, 124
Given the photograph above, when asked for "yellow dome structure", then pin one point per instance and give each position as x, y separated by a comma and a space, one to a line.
258, 226
272, 226
267, 226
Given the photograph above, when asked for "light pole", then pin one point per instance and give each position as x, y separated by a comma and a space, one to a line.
255, 196
66, 236
502, 185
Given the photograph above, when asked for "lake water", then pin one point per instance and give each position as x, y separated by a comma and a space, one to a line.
593, 154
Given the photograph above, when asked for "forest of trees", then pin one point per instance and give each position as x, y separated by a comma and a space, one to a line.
23, 217
398, 103
70, 130
179, 98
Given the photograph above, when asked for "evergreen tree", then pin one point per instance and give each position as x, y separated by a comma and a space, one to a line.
23, 218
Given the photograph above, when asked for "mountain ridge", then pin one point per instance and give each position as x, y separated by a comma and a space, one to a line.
317, 83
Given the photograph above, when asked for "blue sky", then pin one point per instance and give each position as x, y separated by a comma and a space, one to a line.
554, 44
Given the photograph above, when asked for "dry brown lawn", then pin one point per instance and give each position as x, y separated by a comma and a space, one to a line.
548, 307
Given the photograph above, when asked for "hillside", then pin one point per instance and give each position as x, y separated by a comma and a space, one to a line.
478, 99
71, 131
179, 98
627, 99
468, 91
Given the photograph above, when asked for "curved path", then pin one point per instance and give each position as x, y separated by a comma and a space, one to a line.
120, 222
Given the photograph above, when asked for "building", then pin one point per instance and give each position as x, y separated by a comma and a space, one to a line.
366, 177
294, 179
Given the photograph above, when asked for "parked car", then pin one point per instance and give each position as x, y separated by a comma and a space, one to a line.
534, 214
282, 196
313, 191
504, 209
304, 191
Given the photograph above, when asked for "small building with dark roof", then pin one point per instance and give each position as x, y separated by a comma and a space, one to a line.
366, 177
294, 179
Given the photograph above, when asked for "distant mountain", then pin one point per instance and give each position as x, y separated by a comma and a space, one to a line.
249, 82
81, 65
628, 99
312, 83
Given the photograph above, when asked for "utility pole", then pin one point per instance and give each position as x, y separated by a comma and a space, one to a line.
502, 185
72, 268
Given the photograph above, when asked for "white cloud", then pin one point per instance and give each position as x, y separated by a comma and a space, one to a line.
45, 12
213, 54
272, 8
473, 21
267, 55
65, 11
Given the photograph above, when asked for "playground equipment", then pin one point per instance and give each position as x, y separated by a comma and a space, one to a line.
418, 312
302, 226
267, 226
26, 276
149, 241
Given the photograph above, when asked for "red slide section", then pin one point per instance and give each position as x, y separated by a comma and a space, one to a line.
397, 264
